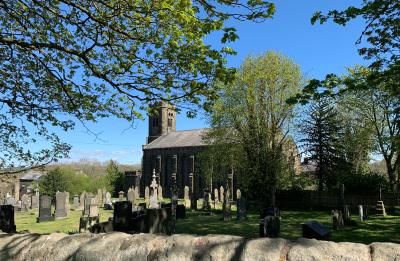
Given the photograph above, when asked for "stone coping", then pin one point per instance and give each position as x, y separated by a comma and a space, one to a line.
121, 246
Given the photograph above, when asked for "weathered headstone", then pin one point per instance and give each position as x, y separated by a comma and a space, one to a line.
82, 201
361, 212
76, 202
160, 192
100, 195
121, 196
346, 214
238, 194
216, 195
67, 206
87, 202
147, 195
122, 216
108, 198
94, 207
7, 223
270, 226
241, 213
314, 229
221, 194
154, 193
34, 202
25, 202
206, 203
60, 205
337, 219
132, 196
44, 209
186, 196
137, 194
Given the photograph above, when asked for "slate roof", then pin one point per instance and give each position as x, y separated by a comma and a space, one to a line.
178, 139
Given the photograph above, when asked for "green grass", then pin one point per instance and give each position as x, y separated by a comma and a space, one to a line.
376, 229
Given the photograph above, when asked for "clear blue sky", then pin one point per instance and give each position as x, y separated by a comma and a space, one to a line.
318, 49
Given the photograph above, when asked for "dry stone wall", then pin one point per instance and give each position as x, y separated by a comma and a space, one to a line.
121, 246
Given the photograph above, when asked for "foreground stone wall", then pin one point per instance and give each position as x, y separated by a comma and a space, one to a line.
121, 246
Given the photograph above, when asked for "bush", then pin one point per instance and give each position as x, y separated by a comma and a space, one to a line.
364, 183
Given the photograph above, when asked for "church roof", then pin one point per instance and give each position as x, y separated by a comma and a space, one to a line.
177, 139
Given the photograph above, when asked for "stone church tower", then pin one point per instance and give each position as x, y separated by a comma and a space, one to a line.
162, 122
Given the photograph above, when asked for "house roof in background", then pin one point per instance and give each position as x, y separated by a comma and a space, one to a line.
177, 139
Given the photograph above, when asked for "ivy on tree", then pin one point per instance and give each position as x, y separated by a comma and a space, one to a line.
68, 60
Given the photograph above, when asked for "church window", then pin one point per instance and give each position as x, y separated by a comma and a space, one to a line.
155, 122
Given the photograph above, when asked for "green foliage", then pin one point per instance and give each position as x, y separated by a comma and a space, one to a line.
363, 182
114, 178
251, 120
54, 181
90, 59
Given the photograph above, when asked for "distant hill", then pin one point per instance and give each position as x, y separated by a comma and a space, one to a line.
92, 168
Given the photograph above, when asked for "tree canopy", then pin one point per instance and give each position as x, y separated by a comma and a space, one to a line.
94, 59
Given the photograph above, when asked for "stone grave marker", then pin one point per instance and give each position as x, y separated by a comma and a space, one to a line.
314, 229
94, 207
108, 198
61, 211
34, 202
216, 195
337, 219
122, 216
121, 196
186, 196
160, 192
132, 196
76, 202
7, 223
361, 212
226, 206
100, 195
270, 226
44, 209
154, 193
10, 201
346, 214
25, 203
82, 201
238, 194
221, 194
67, 206
146, 194
137, 194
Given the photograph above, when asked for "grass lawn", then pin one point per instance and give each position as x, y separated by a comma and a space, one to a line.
376, 229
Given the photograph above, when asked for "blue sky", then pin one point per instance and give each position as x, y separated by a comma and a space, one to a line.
318, 49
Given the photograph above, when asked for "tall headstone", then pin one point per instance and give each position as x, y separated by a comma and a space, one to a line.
94, 207
25, 202
67, 206
186, 196
137, 193
226, 207
76, 202
44, 209
108, 198
60, 205
238, 194
154, 193
100, 195
216, 195
221, 194
7, 223
34, 202
132, 196
160, 193
87, 202
82, 201
361, 212
337, 219
146, 195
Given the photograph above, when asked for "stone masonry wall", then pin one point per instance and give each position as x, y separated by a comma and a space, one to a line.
121, 246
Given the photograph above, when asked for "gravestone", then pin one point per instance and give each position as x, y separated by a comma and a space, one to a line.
337, 219
61, 211
270, 226
44, 209
100, 195
108, 198
186, 196
314, 229
361, 212
87, 202
10, 201
7, 223
206, 202
154, 193
160, 193
94, 207
158, 221
241, 213
76, 202
346, 214
82, 201
137, 194
221, 194
180, 211
121, 196
122, 216
216, 195
238, 194
132, 196
34, 202
380, 208
25, 203
146, 195
67, 206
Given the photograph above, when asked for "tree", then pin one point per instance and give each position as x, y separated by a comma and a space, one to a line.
114, 177
68, 61
321, 130
253, 119
51, 183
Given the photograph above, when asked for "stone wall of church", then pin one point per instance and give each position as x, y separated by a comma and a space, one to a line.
184, 168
